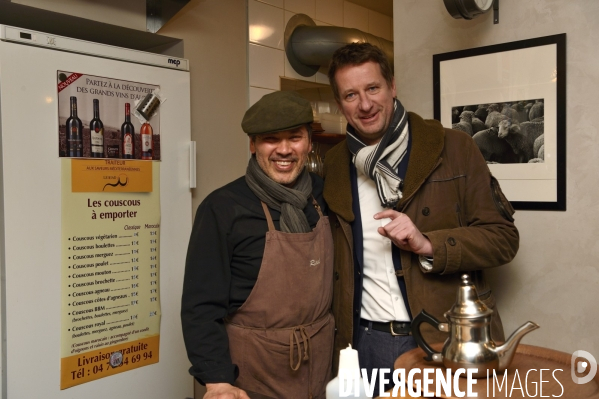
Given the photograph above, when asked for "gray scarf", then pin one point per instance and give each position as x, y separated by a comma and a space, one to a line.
289, 201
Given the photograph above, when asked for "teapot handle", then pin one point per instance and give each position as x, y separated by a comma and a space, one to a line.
424, 317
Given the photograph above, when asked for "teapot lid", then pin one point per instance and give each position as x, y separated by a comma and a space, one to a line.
467, 304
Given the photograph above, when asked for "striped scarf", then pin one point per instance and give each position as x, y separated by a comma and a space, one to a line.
380, 161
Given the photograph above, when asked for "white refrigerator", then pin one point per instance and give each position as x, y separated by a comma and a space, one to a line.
31, 215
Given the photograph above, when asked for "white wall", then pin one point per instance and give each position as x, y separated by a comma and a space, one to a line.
267, 20
554, 279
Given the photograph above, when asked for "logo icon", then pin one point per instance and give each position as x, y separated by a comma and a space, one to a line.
116, 359
174, 61
314, 262
119, 182
579, 366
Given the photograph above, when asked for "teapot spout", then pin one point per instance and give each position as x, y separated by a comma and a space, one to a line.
507, 351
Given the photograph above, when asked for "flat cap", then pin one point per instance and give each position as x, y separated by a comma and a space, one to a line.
275, 112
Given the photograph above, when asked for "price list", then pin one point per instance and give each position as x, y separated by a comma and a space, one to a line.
111, 283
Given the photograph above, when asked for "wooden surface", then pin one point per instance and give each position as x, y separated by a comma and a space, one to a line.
528, 359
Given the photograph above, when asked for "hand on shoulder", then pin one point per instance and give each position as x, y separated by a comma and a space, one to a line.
224, 391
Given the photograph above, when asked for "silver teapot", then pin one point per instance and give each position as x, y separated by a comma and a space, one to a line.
469, 344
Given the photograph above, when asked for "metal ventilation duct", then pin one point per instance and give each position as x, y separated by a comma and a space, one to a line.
309, 47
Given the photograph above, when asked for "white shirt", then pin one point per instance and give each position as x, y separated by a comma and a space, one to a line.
381, 296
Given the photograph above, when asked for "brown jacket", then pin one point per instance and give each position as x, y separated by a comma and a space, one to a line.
452, 198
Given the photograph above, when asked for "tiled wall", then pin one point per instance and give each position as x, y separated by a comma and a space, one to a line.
266, 23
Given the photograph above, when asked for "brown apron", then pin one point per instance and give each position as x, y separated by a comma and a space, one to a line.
281, 338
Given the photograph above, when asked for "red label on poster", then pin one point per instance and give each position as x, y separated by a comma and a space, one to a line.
68, 80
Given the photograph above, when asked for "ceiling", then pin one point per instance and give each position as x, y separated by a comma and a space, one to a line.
382, 6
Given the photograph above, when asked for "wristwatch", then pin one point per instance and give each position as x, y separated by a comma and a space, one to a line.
467, 9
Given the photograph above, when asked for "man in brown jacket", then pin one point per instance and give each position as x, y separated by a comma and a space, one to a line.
413, 206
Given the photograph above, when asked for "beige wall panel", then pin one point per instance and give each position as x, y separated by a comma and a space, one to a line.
554, 279
215, 38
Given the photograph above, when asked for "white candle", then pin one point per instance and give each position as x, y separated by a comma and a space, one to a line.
348, 377
348, 359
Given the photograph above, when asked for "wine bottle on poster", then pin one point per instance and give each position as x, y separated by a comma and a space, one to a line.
112, 151
96, 129
74, 132
128, 135
147, 141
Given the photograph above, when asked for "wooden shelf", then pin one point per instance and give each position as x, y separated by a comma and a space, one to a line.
54, 23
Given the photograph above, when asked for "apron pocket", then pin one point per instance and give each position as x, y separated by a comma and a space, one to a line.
273, 367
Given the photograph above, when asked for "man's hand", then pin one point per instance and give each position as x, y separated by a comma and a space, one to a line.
224, 391
402, 231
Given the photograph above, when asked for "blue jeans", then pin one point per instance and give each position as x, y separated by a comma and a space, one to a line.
378, 349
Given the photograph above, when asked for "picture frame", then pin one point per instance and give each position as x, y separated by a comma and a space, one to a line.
517, 75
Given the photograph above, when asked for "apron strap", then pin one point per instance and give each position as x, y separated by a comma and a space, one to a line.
307, 352
315, 203
271, 225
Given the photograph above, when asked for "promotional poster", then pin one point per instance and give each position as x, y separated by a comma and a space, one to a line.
101, 117
110, 267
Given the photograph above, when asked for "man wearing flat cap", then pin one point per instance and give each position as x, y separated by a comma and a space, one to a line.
258, 276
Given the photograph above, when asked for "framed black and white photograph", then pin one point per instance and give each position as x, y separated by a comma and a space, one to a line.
511, 99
